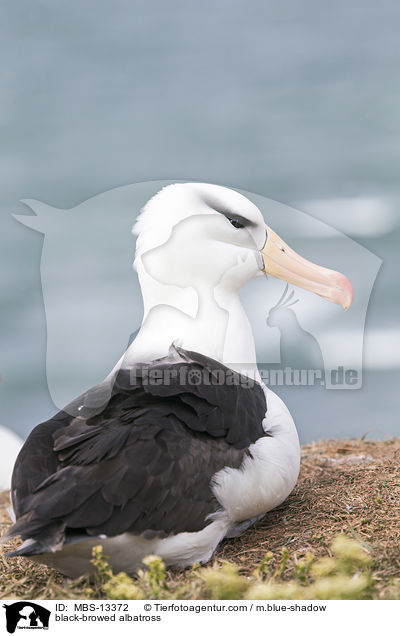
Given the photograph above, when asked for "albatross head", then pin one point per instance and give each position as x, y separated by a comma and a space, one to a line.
196, 234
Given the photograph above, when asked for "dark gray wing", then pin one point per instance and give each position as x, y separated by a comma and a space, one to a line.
144, 462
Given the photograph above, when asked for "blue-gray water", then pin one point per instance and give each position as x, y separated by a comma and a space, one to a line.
298, 102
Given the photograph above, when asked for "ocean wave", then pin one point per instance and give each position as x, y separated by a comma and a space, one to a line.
380, 351
357, 216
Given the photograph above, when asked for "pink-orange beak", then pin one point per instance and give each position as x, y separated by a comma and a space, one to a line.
283, 262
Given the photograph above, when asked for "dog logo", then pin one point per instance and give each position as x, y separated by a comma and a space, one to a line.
92, 297
26, 615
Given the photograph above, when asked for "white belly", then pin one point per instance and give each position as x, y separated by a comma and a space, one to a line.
127, 551
269, 475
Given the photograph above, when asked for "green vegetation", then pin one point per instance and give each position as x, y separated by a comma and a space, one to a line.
347, 574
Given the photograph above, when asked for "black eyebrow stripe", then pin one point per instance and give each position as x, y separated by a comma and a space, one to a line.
227, 212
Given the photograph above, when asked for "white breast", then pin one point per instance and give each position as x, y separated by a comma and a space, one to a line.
269, 474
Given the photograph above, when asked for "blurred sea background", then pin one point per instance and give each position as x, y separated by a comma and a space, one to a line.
297, 102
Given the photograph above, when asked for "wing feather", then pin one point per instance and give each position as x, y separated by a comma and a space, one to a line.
141, 463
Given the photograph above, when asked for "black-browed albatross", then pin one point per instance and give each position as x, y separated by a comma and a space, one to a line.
182, 444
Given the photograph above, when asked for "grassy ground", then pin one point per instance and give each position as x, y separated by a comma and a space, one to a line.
347, 488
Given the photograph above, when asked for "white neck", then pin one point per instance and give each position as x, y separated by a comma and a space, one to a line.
210, 321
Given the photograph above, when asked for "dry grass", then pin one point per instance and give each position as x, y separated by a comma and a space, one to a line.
347, 487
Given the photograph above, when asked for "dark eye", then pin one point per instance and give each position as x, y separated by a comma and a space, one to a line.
237, 224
